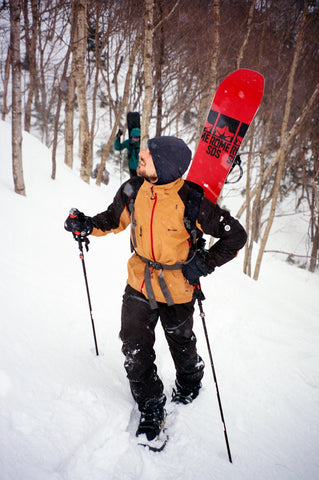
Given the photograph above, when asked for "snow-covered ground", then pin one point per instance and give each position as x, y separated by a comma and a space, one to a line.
66, 414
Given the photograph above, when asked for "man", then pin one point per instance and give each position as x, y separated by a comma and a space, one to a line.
164, 269
132, 146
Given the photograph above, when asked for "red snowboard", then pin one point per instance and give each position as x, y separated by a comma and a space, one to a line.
234, 106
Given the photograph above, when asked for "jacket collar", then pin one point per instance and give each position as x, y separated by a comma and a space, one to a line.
167, 187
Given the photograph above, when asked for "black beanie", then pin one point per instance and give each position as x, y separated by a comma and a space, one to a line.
171, 157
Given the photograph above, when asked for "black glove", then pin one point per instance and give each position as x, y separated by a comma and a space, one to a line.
199, 265
77, 223
119, 133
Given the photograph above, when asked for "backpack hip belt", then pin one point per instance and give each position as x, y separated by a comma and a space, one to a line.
161, 280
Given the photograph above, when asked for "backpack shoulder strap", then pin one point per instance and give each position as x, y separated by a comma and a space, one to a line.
194, 197
131, 189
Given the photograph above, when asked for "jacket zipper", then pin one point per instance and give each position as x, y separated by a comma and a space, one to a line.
153, 197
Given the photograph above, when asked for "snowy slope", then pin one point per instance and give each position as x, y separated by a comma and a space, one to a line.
66, 414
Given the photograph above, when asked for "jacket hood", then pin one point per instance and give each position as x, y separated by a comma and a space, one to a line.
171, 157
135, 132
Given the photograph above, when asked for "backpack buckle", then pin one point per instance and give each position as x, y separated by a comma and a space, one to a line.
156, 265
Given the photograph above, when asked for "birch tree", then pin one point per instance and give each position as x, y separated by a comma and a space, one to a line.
281, 153
78, 67
210, 74
15, 14
148, 72
70, 99
6, 83
246, 37
31, 44
61, 91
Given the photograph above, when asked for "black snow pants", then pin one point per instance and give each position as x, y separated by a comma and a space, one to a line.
137, 333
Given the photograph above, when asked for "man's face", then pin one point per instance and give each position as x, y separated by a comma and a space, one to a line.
146, 166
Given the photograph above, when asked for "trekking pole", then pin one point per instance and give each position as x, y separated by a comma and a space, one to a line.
79, 240
120, 167
200, 297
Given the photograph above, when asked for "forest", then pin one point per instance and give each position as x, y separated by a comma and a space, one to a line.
73, 69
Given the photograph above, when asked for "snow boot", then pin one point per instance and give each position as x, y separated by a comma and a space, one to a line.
151, 421
185, 394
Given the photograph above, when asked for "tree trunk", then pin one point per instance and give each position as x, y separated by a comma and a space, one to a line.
6, 82
249, 220
15, 13
70, 101
252, 213
42, 104
97, 72
314, 210
69, 122
159, 61
31, 44
80, 11
211, 82
314, 250
249, 24
282, 151
148, 72
67, 89
62, 91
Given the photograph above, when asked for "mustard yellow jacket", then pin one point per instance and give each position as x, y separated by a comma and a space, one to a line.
158, 232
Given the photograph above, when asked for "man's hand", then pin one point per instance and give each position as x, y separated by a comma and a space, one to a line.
80, 225
198, 266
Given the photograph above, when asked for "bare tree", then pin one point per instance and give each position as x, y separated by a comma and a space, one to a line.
6, 82
134, 52
30, 59
15, 14
148, 71
314, 212
209, 85
78, 69
248, 30
253, 211
281, 153
62, 90
159, 53
70, 99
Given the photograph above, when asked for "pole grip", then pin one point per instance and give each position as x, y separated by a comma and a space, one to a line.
74, 212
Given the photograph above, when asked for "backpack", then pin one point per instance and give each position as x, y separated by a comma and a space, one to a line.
192, 204
133, 121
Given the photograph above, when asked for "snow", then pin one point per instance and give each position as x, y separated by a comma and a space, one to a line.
67, 414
